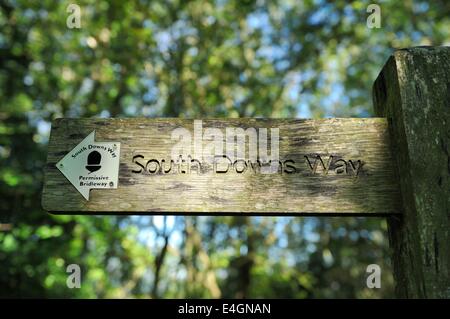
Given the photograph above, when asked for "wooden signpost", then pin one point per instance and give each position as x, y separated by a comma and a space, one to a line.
323, 166
397, 165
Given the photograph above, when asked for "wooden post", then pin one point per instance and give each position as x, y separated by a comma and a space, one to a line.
413, 92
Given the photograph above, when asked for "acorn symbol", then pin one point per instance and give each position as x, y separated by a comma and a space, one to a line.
93, 161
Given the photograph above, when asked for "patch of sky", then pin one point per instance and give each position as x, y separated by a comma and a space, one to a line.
336, 96
192, 51
43, 131
420, 7
131, 110
28, 80
163, 40
258, 20
303, 110
152, 92
416, 36
325, 12
271, 53
104, 114
349, 13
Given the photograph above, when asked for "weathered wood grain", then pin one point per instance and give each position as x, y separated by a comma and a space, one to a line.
372, 191
413, 92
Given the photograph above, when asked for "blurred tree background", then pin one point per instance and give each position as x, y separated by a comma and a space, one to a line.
193, 59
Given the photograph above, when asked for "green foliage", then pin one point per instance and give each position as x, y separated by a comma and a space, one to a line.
189, 59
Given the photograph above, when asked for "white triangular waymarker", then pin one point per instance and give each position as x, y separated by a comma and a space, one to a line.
91, 165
